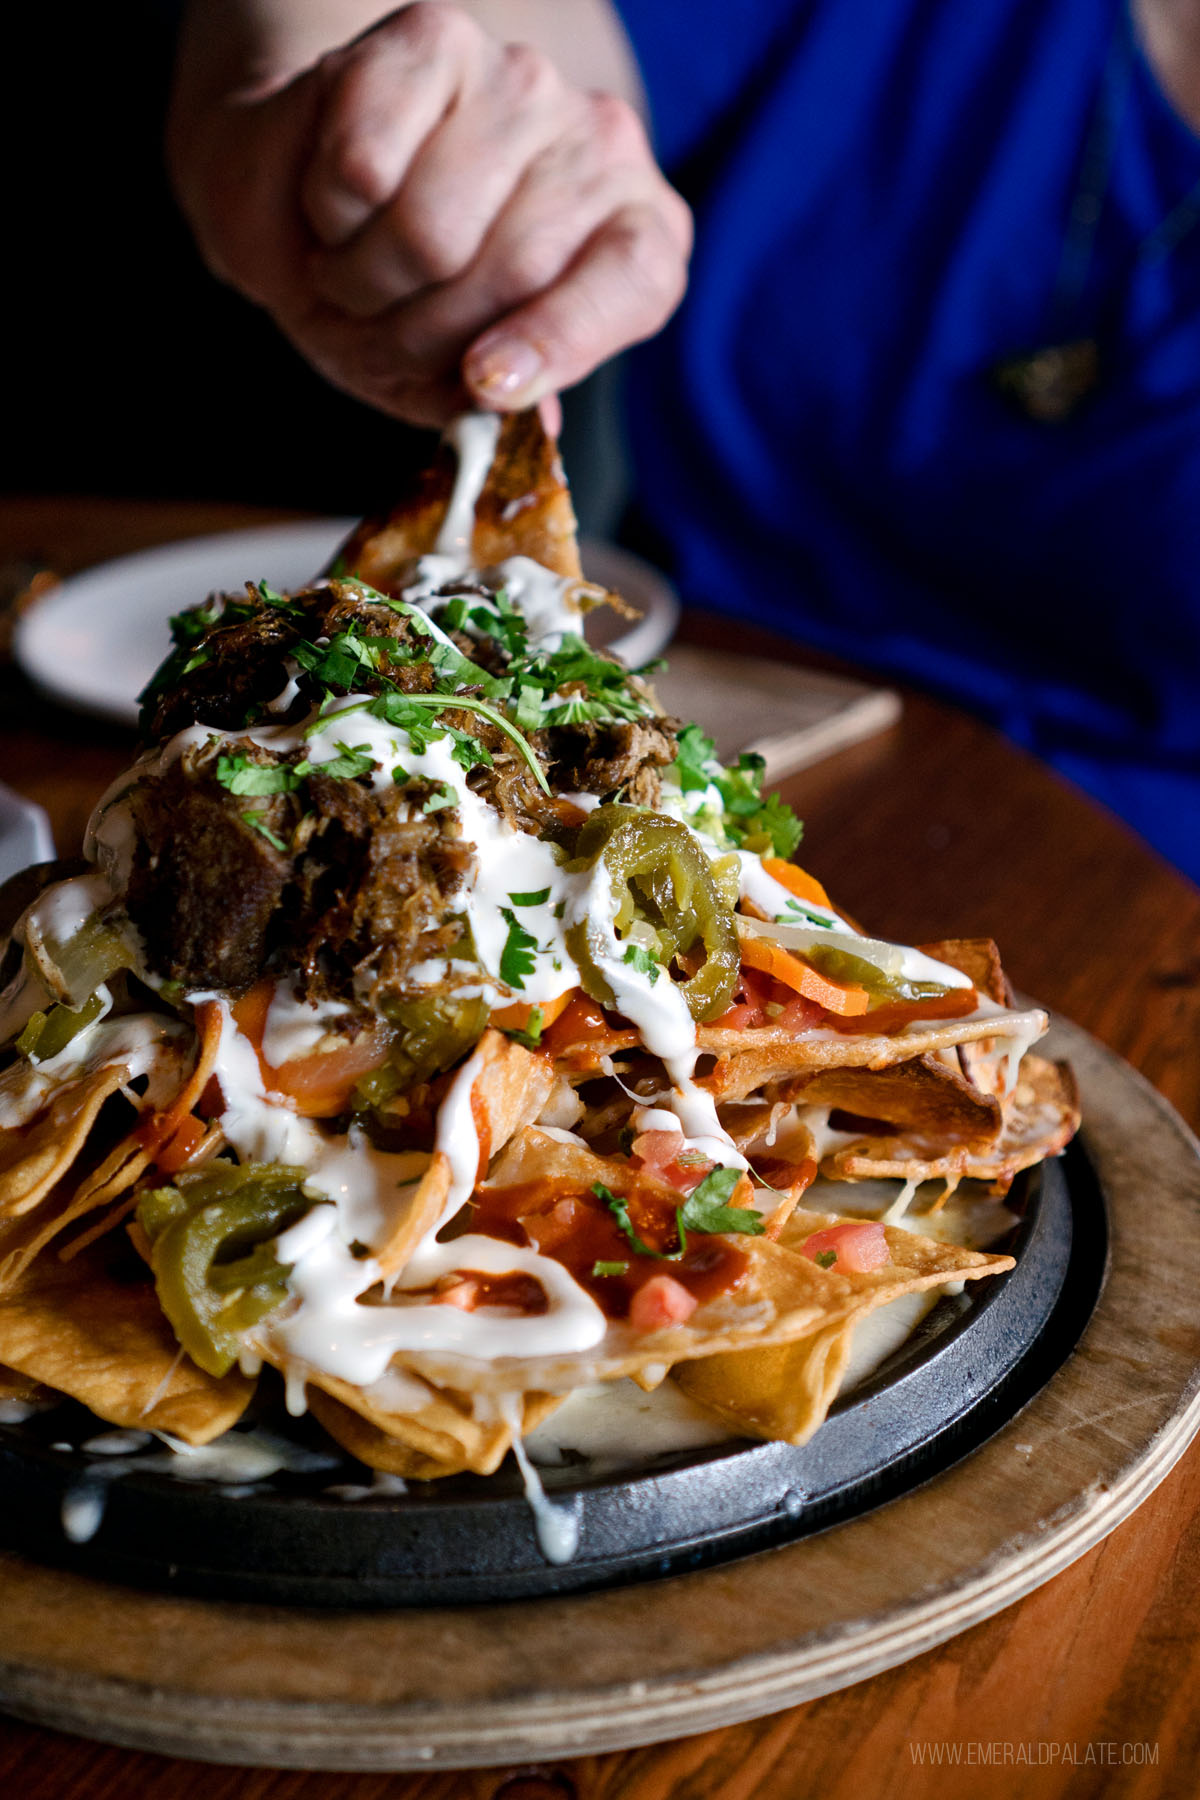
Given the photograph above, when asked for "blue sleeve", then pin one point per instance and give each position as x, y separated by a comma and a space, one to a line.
698, 58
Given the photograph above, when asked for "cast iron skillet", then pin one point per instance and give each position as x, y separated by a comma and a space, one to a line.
971, 1365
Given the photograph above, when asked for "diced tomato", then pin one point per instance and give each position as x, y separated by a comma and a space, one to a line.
659, 1153
758, 992
856, 1248
659, 1302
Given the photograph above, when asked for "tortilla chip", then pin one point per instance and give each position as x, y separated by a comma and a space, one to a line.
15, 1386
34, 1158
509, 1091
750, 1060
782, 1392
524, 509
979, 960
101, 1339
782, 1296
443, 1437
921, 1093
785, 1390
1041, 1116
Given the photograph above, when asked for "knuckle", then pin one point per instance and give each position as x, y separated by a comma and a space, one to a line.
657, 271
354, 162
615, 127
528, 75
437, 243
533, 261
433, 29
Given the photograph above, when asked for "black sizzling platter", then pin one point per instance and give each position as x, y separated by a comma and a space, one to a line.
971, 1365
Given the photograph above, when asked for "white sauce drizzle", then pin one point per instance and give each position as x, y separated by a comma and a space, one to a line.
555, 1526
474, 436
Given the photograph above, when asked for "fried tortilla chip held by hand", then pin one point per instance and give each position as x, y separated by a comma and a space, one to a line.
524, 509
88, 1330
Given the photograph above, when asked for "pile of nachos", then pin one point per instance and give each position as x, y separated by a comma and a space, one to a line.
437, 1023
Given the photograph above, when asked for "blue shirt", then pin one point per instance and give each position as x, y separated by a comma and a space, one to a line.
882, 193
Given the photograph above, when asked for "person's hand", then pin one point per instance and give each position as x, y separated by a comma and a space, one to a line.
436, 219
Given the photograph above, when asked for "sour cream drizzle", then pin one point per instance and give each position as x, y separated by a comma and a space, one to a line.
474, 436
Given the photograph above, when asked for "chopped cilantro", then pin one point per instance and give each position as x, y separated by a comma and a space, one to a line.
517, 959
705, 1208
619, 1209
442, 796
695, 753
271, 597
774, 827
825, 1259
352, 760
750, 820
531, 1034
537, 899
796, 910
610, 1268
241, 776
704, 1211
639, 958
257, 823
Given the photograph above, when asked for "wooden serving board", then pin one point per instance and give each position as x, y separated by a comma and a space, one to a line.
537, 1680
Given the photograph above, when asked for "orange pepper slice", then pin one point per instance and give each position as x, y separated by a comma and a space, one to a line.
318, 1086
796, 880
772, 959
516, 1016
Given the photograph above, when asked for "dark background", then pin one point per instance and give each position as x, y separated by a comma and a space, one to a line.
127, 368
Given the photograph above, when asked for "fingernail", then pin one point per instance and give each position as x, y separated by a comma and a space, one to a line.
503, 365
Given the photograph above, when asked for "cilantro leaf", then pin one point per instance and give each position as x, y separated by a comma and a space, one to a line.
531, 1034
796, 910
777, 824
356, 760
705, 1208
619, 1209
530, 899
825, 1259
257, 823
241, 776
696, 750
639, 958
442, 796
517, 959
271, 597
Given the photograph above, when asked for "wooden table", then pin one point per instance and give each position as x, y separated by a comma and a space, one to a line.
937, 826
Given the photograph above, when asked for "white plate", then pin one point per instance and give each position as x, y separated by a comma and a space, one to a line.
24, 834
95, 641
